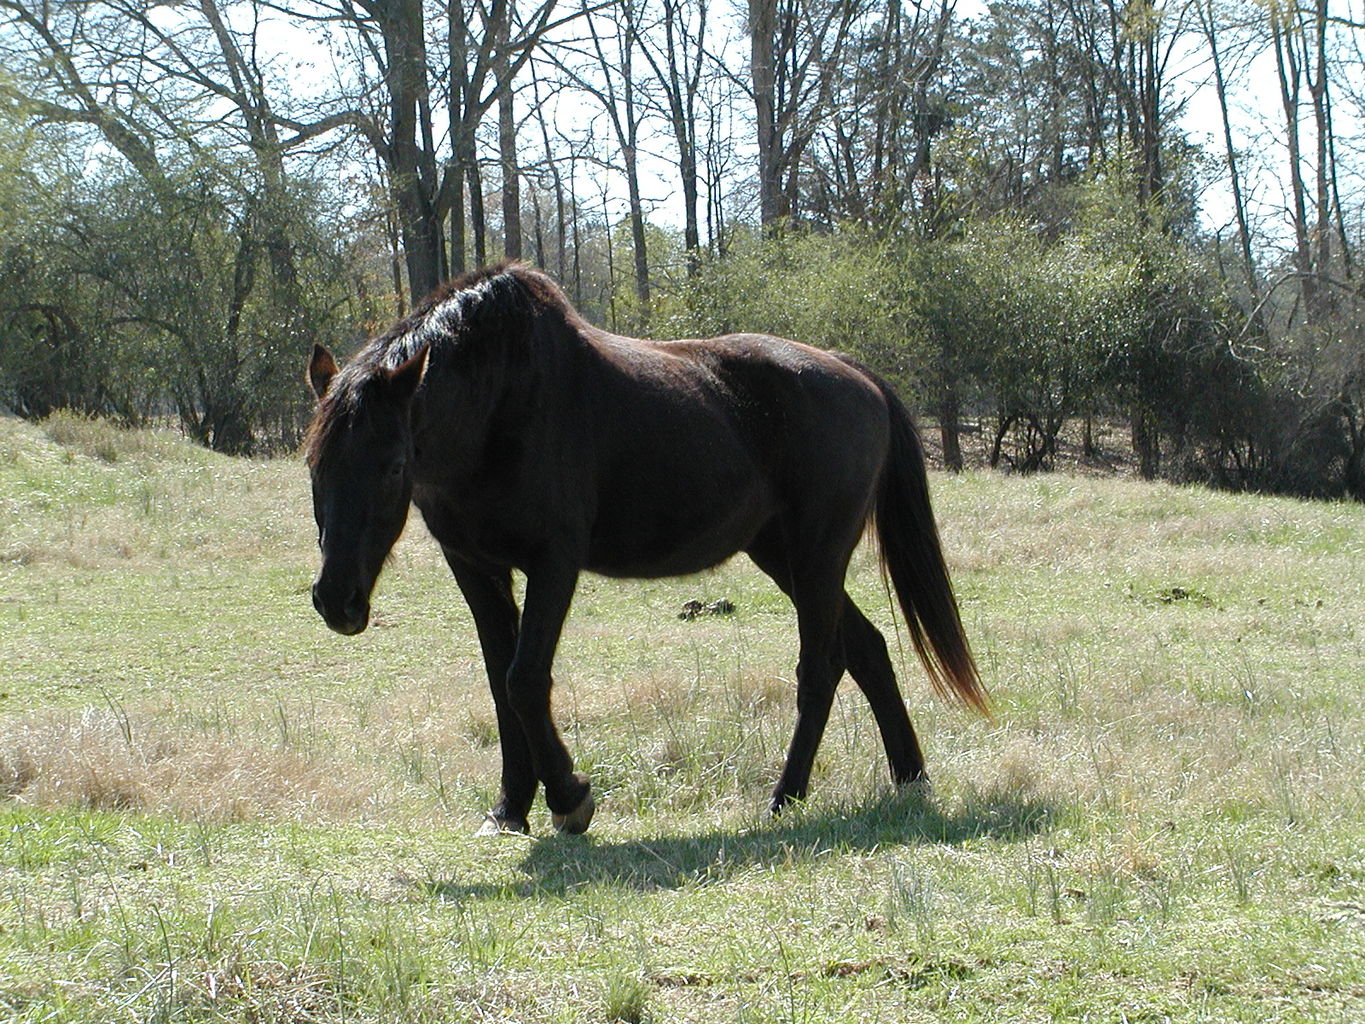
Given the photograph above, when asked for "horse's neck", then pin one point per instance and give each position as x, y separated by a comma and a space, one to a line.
466, 390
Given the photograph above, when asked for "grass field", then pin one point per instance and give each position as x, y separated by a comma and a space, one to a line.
213, 809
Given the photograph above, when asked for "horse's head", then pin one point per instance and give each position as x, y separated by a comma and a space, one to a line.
360, 458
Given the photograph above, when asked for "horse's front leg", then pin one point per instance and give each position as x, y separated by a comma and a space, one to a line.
549, 591
490, 600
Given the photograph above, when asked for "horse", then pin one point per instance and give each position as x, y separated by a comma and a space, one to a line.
530, 440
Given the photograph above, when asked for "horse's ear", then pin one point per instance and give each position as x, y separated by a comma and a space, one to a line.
321, 369
403, 380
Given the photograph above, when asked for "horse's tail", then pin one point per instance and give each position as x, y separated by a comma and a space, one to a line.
912, 556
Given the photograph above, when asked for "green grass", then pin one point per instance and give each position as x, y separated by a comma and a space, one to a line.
211, 808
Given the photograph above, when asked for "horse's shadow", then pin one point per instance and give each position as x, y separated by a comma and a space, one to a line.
561, 864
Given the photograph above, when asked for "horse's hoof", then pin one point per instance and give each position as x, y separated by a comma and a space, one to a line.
495, 826
779, 805
920, 787
576, 822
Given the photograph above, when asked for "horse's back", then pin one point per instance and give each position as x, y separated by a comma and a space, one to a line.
703, 443
817, 419
775, 401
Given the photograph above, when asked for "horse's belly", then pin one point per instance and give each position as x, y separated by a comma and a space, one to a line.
675, 539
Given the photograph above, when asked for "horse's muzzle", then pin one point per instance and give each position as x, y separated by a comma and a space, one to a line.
346, 611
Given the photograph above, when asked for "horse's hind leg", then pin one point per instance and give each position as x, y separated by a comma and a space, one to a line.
870, 666
816, 589
817, 675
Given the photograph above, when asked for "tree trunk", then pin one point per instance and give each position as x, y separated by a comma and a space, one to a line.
455, 183
411, 165
1289, 73
507, 147
461, 135
762, 53
1208, 16
556, 180
1325, 171
1146, 442
638, 245
678, 73
630, 149
950, 427
478, 218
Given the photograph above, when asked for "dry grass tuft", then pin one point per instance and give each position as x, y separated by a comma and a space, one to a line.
106, 760
87, 494
268, 991
1023, 769
481, 729
104, 439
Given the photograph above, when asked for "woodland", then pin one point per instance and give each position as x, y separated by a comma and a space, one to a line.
1044, 219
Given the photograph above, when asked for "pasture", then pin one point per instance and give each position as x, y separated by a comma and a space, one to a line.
212, 808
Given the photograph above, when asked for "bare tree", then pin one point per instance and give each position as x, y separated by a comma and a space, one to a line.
552, 164
604, 68
796, 48
489, 45
891, 103
1209, 22
674, 47
507, 142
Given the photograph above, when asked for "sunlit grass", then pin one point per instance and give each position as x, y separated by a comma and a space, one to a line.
212, 808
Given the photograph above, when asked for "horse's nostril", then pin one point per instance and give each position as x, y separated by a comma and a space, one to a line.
347, 612
356, 606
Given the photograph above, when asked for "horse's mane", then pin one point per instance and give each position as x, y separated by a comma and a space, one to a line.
500, 301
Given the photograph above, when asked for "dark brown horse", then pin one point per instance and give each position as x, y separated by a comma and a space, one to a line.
530, 440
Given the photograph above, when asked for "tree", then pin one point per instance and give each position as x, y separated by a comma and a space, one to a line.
609, 78
891, 97
796, 48
678, 61
192, 217
1209, 22
488, 47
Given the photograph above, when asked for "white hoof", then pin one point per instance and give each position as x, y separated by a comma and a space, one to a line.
494, 827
